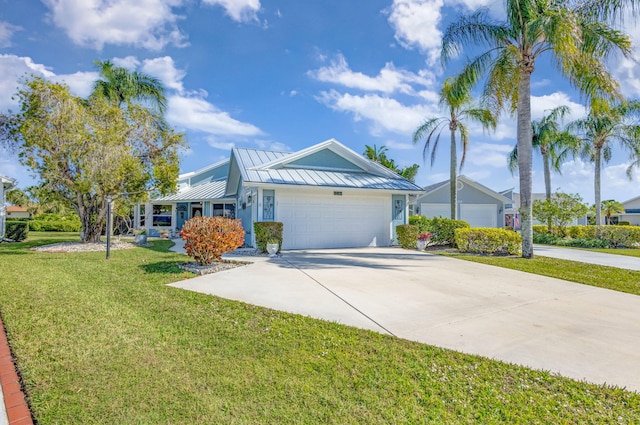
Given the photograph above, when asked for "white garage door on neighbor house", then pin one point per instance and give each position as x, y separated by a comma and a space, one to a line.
335, 220
477, 215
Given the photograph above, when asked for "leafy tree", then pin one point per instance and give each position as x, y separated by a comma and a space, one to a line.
578, 35
379, 155
456, 99
610, 207
605, 123
121, 86
17, 197
554, 144
87, 149
560, 210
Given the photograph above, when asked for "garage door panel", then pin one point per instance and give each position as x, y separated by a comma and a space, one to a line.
479, 215
321, 221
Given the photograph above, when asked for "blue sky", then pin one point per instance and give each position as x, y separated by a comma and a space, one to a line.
287, 74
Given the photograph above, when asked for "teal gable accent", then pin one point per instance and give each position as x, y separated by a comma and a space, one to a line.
217, 173
325, 158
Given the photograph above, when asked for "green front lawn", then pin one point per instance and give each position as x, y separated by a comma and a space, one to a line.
106, 342
589, 274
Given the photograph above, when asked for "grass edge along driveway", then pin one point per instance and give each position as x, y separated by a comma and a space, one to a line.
101, 341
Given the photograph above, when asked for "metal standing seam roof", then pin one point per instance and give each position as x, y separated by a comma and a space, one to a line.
212, 190
249, 159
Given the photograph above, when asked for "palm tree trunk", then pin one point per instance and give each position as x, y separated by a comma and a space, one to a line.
547, 176
596, 185
525, 153
453, 179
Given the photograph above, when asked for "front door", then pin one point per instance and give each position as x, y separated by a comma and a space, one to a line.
398, 214
181, 214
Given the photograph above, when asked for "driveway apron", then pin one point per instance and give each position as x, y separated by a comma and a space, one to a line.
579, 331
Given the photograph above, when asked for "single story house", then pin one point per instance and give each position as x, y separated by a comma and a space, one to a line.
477, 204
326, 196
14, 211
6, 184
631, 212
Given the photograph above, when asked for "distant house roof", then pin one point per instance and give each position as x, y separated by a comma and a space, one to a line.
15, 209
329, 164
466, 180
207, 191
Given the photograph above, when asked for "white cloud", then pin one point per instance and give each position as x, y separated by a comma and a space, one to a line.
6, 32
239, 10
149, 24
403, 146
416, 25
488, 154
385, 114
195, 113
272, 146
389, 80
164, 68
217, 144
13, 68
542, 105
128, 62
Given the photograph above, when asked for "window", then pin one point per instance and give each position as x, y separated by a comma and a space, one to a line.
268, 205
161, 216
142, 215
224, 210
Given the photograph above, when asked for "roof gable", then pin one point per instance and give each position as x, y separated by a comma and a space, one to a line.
214, 172
324, 159
471, 183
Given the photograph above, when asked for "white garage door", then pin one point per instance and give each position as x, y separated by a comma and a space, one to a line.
479, 215
435, 210
329, 221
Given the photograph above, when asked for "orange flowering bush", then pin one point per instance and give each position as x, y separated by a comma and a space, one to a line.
207, 238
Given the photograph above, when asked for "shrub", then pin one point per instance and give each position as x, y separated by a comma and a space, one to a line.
582, 232
540, 229
55, 226
488, 241
407, 235
624, 223
207, 238
583, 242
619, 236
16, 230
545, 238
443, 230
267, 231
423, 223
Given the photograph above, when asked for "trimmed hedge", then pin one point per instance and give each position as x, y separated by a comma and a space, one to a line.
16, 230
423, 223
407, 235
488, 240
443, 230
590, 236
55, 226
266, 231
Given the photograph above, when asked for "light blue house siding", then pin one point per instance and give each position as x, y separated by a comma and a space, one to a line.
325, 159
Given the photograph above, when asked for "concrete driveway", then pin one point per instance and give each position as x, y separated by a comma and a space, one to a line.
579, 331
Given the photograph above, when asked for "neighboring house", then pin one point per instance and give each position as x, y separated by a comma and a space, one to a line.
511, 210
631, 212
6, 184
326, 196
477, 204
14, 211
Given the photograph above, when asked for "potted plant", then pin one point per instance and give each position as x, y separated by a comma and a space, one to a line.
164, 233
423, 240
272, 247
141, 236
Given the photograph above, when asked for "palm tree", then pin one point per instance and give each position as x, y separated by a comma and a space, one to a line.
554, 145
610, 207
607, 122
379, 155
374, 153
121, 86
457, 100
578, 34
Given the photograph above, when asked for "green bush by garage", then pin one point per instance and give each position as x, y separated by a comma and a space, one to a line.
482, 240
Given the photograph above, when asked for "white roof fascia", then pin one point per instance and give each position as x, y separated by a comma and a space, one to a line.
631, 200
477, 186
336, 188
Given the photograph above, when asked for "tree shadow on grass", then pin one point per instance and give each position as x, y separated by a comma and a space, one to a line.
165, 267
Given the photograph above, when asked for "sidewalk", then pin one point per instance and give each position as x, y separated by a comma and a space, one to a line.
591, 257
